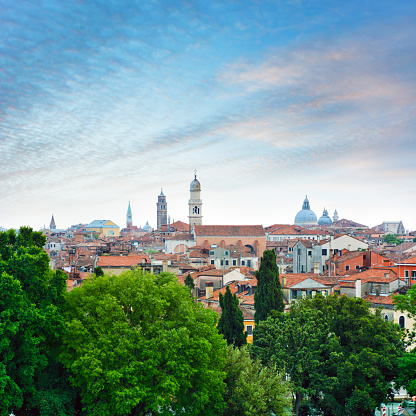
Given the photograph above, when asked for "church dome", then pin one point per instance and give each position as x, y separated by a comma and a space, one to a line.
147, 227
195, 185
305, 216
325, 219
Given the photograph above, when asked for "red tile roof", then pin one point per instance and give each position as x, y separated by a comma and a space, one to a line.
230, 230
122, 261
410, 260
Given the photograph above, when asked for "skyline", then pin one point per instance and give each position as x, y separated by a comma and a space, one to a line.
103, 103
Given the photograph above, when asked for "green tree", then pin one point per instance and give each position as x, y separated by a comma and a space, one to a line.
231, 322
138, 344
268, 295
31, 323
359, 351
254, 389
99, 271
391, 239
301, 343
407, 363
189, 281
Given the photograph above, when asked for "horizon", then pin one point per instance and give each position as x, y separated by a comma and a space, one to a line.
105, 103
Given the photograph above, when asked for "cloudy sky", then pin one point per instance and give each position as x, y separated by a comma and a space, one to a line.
108, 101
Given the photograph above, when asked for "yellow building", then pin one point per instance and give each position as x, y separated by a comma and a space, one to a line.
104, 228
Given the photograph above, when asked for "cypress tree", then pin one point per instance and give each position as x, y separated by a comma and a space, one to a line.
231, 322
269, 295
189, 281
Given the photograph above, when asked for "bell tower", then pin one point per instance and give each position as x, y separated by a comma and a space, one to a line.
129, 218
195, 204
162, 210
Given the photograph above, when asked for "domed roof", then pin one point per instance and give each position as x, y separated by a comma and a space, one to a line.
147, 227
305, 216
195, 185
325, 219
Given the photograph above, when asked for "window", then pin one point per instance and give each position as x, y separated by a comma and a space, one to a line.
211, 253
226, 253
248, 263
298, 251
413, 273
243, 262
249, 329
234, 262
402, 321
347, 268
324, 252
222, 262
212, 262
226, 262
357, 267
406, 273
386, 317
364, 257
336, 251
309, 252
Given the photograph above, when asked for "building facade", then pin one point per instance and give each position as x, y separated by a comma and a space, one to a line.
162, 210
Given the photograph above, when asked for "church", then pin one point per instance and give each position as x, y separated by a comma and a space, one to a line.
251, 236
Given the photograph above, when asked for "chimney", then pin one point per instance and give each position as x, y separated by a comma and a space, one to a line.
358, 288
209, 287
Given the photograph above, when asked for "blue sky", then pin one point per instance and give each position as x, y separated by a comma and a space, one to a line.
105, 102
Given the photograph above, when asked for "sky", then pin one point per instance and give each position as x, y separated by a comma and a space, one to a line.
106, 102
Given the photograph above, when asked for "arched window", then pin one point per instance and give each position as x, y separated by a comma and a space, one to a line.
402, 321
386, 317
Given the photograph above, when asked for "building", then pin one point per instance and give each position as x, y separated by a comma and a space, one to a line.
129, 218
325, 219
251, 236
305, 216
104, 228
162, 210
310, 256
52, 225
195, 204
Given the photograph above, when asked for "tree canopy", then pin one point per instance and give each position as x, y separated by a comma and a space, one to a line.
189, 281
138, 344
254, 389
391, 239
268, 296
31, 323
231, 322
407, 363
359, 351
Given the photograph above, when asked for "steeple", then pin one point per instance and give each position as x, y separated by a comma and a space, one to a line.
52, 225
195, 204
306, 203
162, 210
129, 217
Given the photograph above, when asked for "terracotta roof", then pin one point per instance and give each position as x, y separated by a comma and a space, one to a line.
230, 230
348, 256
293, 279
180, 226
381, 300
410, 260
372, 275
122, 261
181, 237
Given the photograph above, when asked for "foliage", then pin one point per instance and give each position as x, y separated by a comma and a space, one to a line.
268, 295
189, 281
407, 363
414, 240
138, 344
31, 323
359, 349
254, 389
99, 271
301, 344
231, 322
391, 239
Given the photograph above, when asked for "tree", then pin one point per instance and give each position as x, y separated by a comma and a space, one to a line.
301, 344
391, 239
99, 271
231, 322
254, 389
359, 351
138, 344
407, 363
268, 295
31, 306
189, 281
